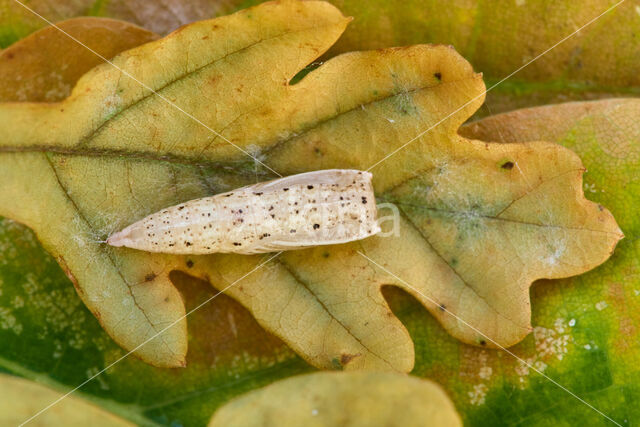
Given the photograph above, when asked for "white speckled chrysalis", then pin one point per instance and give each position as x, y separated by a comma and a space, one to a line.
315, 208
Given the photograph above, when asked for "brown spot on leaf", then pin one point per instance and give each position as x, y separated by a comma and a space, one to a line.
507, 165
347, 358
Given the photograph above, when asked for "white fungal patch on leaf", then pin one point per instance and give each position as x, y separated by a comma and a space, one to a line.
556, 255
245, 361
485, 372
111, 106
60, 314
550, 343
58, 349
478, 394
476, 367
590, 187
9, 322
601, 305
17, 302
309, 209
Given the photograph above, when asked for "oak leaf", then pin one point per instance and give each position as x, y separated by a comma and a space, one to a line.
478, 221
21, 399
342, 398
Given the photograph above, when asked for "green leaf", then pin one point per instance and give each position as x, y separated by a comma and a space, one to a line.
237, 356
585, 328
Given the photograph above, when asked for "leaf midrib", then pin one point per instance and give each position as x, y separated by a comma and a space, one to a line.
123, 154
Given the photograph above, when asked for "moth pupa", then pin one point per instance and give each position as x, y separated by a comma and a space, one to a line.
315, 208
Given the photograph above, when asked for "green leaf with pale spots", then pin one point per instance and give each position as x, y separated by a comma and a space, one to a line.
113, 152
228, 353
586, 329
49, 336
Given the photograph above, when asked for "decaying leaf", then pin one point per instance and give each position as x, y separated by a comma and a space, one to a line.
21, 65
342, 398
478, 222
166, 15
163, 16
21, 399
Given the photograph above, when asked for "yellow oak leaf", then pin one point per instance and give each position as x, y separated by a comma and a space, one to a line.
174, 119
